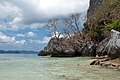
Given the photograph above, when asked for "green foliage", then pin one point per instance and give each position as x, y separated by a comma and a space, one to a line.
96, 33
115, 24
97, 29
103, 19
85, 24
108, 11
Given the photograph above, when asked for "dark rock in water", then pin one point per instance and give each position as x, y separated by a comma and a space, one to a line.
110, 46
107, 62
42, 53
59, 47
70, 51
66, 53
62, 55
64, 47
93, 62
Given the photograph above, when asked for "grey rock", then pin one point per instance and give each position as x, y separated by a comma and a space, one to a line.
87, 49
70, 51
100, 50
42, 53
110, 46
94, 4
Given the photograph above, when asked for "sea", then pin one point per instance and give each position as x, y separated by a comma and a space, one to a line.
33, 67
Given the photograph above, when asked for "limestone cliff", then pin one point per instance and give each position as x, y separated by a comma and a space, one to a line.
110, 46
102, 17
94, 4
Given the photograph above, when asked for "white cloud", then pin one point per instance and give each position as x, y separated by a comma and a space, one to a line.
44, 41
36, 25
6, 39
30, 34
21, 42
8, 9
20, 35
34, 12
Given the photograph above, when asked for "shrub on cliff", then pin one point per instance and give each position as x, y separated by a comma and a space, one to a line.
103, 19
115, 24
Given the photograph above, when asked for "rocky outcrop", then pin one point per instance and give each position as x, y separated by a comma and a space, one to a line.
94, 4
94, 29
113, 46
101, 47
43, 53
107, 62
86, 49
65, 47
110, 46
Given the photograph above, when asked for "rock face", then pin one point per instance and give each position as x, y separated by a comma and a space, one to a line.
77, 46
86, 49
113, 46
65, 47
94, 4
101, 47
58, 47
110, 46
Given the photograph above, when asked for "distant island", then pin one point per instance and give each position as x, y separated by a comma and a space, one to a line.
17, 52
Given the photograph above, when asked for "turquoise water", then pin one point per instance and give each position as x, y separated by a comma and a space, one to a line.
32, 67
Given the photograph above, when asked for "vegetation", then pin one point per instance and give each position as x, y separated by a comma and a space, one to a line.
105, 18
70, 30
115, 24
71, 25
97, 26
52, 25
73, 21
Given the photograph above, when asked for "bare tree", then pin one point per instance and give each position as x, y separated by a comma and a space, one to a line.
73, 21
52, 26
67, 33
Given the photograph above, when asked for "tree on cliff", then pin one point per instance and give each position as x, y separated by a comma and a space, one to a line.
103, 19
72, 24
73, 21
52, 25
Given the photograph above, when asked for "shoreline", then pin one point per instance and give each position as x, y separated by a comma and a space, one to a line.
106, 62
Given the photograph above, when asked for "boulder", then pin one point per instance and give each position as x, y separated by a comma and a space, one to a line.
87, 49
42, 53
110, 46
70, 51
100, 50
65, 53
113, 46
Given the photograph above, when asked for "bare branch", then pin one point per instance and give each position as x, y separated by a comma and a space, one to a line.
52, 25
73, 21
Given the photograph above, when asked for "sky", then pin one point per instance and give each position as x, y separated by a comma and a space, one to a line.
22, 21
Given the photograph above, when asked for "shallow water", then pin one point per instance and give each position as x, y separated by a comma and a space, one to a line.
31, 67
